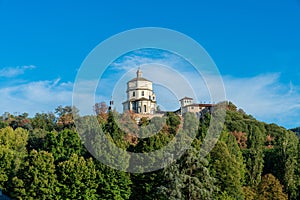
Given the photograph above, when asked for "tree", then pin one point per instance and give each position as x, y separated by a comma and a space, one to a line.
236, 153
226, 170
45, 121
254, 154
281, 159
37, 179
270, 188
112, 128
231, 106
188, 179
77, 178
249, 193
3, 124
7, 157
101, 112
287, 154
297, 171
36, 139
12, 153
113, 184
173, 184
63, 144
20, 121
172, 122
100, 108
65, 116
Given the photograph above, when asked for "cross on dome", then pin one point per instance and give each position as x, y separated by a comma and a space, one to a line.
139, 73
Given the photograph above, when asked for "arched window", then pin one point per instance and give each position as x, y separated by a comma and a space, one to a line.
145, 108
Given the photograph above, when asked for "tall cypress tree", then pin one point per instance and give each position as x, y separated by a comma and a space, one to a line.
254, 154
226, 169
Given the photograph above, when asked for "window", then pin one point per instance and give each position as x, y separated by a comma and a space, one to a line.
145, 108
149, 97
143, 93
133, 94
153, 97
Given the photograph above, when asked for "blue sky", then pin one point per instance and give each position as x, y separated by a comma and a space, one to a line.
255, 44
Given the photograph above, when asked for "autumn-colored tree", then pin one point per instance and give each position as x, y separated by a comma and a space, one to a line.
241, 139
65, 116
101, 112
249, 193
270, 188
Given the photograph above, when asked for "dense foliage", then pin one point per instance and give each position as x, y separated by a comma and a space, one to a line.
43, 157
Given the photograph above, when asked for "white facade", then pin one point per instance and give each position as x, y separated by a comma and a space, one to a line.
140, 96
186, 101
187, 105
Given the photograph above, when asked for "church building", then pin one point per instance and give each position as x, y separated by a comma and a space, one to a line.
140, 96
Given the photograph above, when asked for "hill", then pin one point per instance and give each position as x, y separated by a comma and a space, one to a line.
296, 130
44, 157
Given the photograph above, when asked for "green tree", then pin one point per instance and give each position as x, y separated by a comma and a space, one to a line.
36, 139
113, 184
12, 153
188, 179
116, 133
254, 153
226, 169
173, 184
297, 171
45, 121
77, 178
173, 121
63, 144
37, 178
287, 154
281, 159
237, 155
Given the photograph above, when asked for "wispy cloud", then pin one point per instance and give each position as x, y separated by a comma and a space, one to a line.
146, 56
265, 97
9, 72
38, 96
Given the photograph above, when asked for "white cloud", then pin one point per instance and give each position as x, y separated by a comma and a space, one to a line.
266, 98
9, 72
141, 57
33, 97
262, 96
